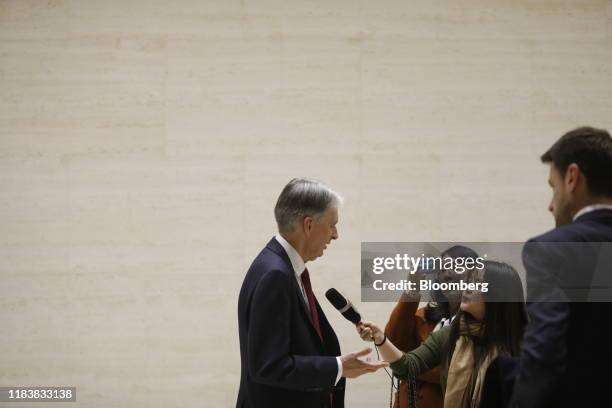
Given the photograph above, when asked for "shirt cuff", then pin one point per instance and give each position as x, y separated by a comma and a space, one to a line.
339, 376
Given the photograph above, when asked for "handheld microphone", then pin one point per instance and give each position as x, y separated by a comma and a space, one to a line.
343, 305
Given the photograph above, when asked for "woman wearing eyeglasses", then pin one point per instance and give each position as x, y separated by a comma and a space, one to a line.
483, 328
410, 325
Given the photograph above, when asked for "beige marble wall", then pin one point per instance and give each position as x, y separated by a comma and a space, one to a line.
143, 144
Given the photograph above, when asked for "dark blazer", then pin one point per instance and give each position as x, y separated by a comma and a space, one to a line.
499, 382
566, 346
284, 362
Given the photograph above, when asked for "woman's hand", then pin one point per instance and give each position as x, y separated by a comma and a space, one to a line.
368, 331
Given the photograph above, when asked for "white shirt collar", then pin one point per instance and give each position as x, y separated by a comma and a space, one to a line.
296, 260
590, 208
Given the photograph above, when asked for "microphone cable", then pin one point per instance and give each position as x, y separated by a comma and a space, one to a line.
393, 386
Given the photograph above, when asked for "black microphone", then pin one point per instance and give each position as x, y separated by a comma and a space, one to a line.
343, 305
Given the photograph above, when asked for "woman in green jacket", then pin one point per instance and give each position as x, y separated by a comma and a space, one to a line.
488, 324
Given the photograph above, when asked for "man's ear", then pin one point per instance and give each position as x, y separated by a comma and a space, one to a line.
307, 224
572, 176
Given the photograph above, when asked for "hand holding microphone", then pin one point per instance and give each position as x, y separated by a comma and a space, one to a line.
352, 365
368, 331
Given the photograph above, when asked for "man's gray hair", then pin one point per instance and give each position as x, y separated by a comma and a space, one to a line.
303, 197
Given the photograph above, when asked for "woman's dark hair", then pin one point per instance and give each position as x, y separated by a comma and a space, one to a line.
439, 309
504, 321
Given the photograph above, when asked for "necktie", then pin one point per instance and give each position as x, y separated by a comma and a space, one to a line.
314, 314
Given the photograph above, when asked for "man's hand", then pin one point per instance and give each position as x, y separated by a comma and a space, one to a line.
353, 366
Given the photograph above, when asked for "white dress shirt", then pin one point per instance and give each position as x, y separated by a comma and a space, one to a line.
298, 268
590, 208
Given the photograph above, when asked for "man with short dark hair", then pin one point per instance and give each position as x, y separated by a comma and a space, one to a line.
290, 355
580, 173
566, 346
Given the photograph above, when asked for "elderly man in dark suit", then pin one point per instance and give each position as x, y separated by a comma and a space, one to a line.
290, 355
566, 345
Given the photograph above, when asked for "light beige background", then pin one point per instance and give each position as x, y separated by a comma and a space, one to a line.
143, 145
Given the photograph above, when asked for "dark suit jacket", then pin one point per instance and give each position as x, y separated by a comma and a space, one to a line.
566, 346
284, 363
499, 382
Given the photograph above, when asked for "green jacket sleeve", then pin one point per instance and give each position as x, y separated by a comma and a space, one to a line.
423, 358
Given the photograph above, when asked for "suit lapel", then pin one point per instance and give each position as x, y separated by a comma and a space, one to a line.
331, 344
277, 248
